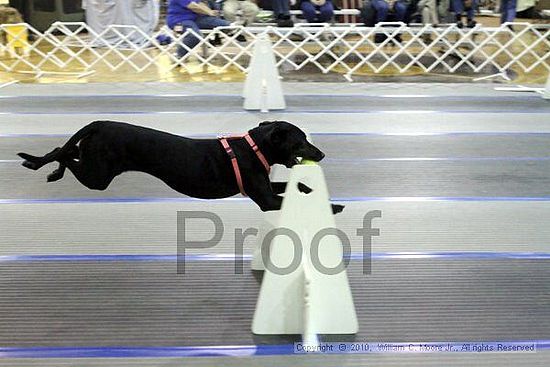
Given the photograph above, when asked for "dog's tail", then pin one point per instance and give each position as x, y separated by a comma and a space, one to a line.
34, 162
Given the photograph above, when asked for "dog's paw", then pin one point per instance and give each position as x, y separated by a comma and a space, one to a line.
55, 176
23, 155
30, 161
337, 208
30, 165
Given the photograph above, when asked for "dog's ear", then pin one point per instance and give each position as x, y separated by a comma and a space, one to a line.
265, 123
278, 135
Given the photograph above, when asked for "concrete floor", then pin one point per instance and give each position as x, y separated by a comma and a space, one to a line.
457, 170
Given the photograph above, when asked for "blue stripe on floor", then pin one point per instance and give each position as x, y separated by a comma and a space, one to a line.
222, 351
143, 352
119, 200
452, 255
442, 198
93, 200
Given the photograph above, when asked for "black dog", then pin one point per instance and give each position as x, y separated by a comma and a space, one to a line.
200, 168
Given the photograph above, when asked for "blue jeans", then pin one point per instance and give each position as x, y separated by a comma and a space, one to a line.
458, 9
382, 8
326, 12
281, 7
202, 22
507, 10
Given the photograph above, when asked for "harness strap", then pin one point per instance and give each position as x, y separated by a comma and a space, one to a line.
256, 150
224, 141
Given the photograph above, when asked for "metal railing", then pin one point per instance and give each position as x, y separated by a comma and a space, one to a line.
347, 49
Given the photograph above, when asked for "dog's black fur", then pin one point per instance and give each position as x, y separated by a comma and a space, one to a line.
200, 168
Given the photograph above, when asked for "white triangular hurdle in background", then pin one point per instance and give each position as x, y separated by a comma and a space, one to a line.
262, 89
306, 301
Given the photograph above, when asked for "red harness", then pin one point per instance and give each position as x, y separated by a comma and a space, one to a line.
224, 141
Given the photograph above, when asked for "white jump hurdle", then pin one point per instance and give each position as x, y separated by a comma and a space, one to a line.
262, 89
309, 300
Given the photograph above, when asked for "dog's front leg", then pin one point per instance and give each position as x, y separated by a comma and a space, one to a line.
259, 189
268, 203
278, 187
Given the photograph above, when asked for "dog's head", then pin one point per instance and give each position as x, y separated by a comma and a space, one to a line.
286, 143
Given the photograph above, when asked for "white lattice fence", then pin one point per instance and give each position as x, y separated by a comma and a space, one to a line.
75, 48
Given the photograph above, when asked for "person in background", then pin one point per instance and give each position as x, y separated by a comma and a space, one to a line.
248, 9
527, 8
444, 11
384, 7
281, 10
192, 14
507, 10
459, 6
22, 6
310, 8
379, 12
428, 11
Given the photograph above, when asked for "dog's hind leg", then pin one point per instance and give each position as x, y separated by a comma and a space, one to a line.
34, 163
92, 178
57, 174
91, 169
91, 174
68, 150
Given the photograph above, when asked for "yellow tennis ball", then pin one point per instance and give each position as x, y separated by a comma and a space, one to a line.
308, 162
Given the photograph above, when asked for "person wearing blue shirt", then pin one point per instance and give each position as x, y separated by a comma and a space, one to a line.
383, 7
310, 8
193, 14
